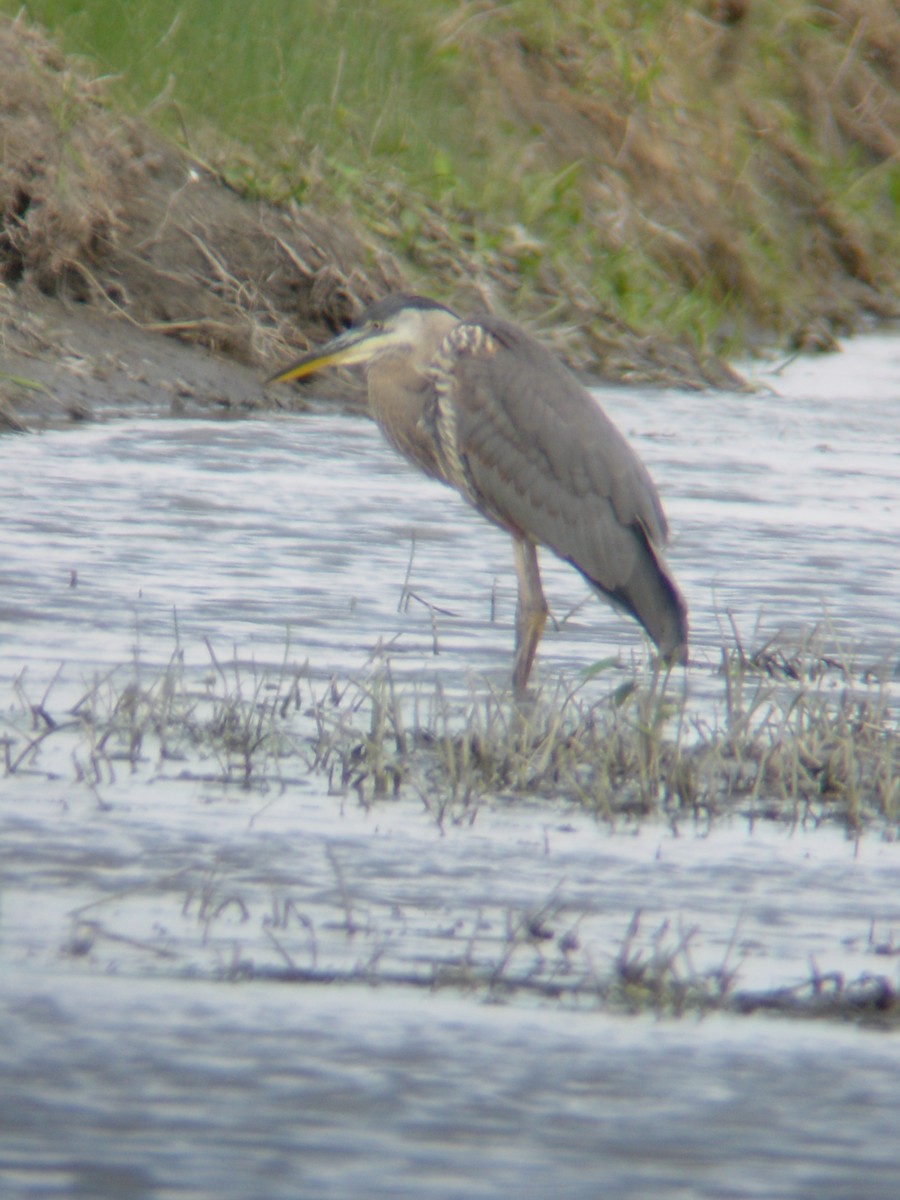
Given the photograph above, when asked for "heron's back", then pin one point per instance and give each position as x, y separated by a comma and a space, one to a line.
521, 438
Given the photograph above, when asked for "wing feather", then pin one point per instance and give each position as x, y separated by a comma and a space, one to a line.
539, 456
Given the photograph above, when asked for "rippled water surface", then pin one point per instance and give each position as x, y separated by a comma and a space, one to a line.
147, 1050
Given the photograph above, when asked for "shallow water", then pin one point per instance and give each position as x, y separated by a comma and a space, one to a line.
783, 511
236, 1092
137, 1059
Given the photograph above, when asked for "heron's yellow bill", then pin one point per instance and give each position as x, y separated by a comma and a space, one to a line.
305, 366
345, 349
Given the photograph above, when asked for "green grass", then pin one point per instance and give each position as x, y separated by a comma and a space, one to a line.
353, 79
391, 110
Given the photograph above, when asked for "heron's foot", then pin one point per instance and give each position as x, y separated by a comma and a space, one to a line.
525, 698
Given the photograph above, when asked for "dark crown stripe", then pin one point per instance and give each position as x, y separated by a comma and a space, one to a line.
382, 310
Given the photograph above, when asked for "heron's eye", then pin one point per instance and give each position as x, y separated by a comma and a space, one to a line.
377, 324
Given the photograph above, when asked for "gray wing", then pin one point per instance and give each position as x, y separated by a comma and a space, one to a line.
532, 450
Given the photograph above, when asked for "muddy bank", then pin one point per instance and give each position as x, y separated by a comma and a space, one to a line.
118, 250
118, 253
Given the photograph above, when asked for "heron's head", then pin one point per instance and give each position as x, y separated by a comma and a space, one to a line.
404, 325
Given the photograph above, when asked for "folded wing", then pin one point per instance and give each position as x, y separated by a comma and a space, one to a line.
530, 447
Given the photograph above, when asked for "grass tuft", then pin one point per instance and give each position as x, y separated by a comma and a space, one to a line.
800, 735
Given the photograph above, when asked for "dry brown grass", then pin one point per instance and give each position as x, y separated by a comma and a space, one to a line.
800, 738
709, 138
97, 209
809, 742
800, 735
659, 179
63, 166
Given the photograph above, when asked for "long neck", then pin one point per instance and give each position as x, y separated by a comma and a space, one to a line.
400, 387
398, 393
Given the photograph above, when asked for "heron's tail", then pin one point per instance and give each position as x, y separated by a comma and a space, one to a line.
651, 595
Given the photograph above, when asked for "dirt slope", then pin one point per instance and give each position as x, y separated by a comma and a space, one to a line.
106, 232
119, 253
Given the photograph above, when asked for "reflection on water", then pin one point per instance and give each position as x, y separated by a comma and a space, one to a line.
128, 1072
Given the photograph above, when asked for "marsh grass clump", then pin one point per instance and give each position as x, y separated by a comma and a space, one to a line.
798, 734
229, 721
656, 973
811, 735
455, 751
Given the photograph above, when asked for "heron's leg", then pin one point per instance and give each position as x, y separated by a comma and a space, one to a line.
531, 612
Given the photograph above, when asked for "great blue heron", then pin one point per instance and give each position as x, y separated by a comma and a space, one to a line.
483, 407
